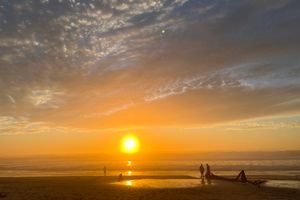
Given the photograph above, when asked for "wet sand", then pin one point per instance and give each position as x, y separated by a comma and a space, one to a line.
40, 188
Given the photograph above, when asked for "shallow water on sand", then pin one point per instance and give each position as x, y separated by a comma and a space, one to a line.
164, 183
283, 184
189, 183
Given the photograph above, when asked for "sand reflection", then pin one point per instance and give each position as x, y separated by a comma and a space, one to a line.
163, 183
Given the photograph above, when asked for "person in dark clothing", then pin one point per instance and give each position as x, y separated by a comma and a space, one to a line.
242, 176
104, 170
208, 173
201, 169
120, 177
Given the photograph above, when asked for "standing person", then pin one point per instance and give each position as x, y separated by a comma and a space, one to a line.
201, 169
120, 177
208, 173
104, 170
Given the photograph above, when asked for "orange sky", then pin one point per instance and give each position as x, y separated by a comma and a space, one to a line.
184, 76
229, 137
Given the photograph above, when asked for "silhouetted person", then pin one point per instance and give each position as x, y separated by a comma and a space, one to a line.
104, 170
242, 176
208, 172
120, 176
201, 169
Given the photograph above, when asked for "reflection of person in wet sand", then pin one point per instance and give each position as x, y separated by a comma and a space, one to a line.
241, 177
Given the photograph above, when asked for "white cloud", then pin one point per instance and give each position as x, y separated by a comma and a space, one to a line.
46, 98
10, 125
275, 122
110, 111
214, 80
11, 99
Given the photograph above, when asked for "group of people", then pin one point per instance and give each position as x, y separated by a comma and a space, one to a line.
207, 174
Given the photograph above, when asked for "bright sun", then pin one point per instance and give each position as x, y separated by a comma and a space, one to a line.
130, 144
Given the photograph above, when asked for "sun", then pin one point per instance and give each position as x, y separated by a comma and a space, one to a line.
130, 144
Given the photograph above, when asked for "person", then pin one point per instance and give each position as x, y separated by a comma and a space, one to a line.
242, 176
208, 173
201, 169
104, 170
120, 176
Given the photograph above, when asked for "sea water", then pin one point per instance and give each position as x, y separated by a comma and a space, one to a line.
92, 165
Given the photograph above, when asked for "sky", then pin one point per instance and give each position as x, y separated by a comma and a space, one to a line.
183, 75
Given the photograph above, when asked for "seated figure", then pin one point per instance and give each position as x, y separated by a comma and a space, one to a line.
242, 176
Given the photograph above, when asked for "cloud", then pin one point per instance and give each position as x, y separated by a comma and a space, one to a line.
10, 125
277, 122
201, 108
122, 63
11, 99
19, 125
45, 98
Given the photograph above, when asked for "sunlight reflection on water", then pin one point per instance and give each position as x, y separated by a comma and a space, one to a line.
128, 183
283, 184
163, 183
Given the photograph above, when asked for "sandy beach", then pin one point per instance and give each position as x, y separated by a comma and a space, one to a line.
40, 188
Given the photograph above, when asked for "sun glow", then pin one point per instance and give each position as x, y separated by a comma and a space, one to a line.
129, 183
130, 144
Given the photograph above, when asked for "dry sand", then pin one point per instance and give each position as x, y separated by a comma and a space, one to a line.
50, 188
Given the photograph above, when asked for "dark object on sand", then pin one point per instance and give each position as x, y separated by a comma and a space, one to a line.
241, 177
256, 182
2, 195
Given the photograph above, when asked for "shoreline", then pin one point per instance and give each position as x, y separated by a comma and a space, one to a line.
267, 177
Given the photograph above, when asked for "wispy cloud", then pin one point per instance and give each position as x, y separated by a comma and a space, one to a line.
62, 61
276, 122
11, 99
23, 125
46, 98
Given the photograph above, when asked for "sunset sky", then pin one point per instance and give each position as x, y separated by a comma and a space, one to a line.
182, 75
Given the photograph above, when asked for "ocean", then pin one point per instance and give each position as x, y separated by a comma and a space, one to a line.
257, 163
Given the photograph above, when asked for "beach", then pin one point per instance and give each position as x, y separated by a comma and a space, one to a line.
96, 187
76, 177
